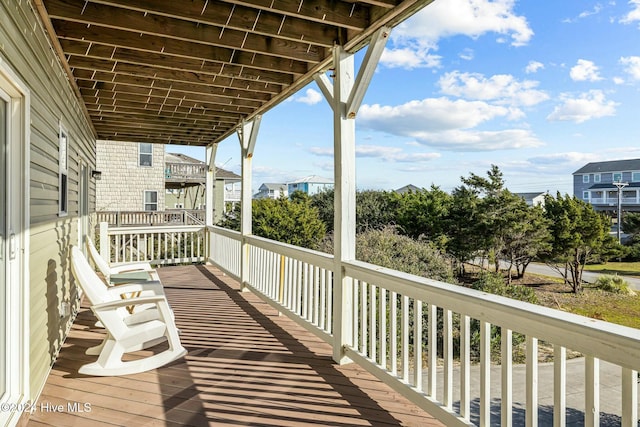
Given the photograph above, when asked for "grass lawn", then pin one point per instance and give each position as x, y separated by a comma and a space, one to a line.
621, 268
592, 302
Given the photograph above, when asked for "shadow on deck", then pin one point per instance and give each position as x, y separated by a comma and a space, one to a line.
246, 366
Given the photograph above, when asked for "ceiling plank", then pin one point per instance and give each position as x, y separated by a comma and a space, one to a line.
354, 16
100, 42
142, 23
237, 17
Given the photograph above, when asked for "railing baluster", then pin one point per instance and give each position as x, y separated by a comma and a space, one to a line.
383, 327
485, 373
532, 382
506, 364
355, 324
629, 398
465, 367
393, 331
363, 317
448, 358
373, 337
405, 338
432, 336
417, 344
560, 386
329, 301
592, 391
323, 299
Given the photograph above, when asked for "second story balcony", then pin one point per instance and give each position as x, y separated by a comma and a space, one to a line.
426, 343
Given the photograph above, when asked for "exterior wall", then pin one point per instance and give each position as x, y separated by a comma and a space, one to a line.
25, 49
318, 188
124, 181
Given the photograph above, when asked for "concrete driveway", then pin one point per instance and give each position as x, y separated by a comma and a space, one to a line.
610, 390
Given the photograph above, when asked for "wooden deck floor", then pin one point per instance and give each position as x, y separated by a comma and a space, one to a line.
246, 366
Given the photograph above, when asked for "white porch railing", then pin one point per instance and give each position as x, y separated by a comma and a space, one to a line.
156, 245
419, 336
395, 313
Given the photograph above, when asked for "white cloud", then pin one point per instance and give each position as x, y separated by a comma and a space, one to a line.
413, 41
533, 67
447, 124
632, 66
589, 105
503, 88
409, 58
472, 18
585, 71
596, 10
467, 54
393, 154
634, 14
571, 157
432, 114
311, 97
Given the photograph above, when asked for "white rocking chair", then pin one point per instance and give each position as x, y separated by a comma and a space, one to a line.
107, 270
126, 332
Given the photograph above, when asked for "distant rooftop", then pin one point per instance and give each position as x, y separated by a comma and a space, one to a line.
313, 178
610, 166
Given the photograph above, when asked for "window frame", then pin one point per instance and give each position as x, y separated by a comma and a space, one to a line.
143, 153
635, 176
597, 177
613, 177
145, 203
586, 195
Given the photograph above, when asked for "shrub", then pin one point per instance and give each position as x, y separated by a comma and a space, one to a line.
494, 283
614, 284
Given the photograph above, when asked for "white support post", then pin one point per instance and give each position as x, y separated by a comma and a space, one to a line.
105, 246
247, 134
344, 97
210, 185
344, 201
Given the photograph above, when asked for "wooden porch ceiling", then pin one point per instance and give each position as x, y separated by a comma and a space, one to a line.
188, 72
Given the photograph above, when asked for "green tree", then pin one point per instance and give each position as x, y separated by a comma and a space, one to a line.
295, 222
374, 209
423, 213
631, 223
528, 236
579, 235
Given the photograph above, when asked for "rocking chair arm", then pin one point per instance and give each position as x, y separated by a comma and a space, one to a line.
128, 288
112, 305
123, 268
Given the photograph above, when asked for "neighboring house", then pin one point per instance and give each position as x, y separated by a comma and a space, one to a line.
133, 177
47, 200
408, 188
533, 199
596, 183
142, 177
185, 184
271, 191
311, 185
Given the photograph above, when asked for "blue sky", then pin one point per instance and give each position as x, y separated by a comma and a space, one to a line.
537, 88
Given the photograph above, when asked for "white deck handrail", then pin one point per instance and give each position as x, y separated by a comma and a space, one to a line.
403, 332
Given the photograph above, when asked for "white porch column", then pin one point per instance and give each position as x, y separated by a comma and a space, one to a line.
210, 185
247, 134
345, 97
